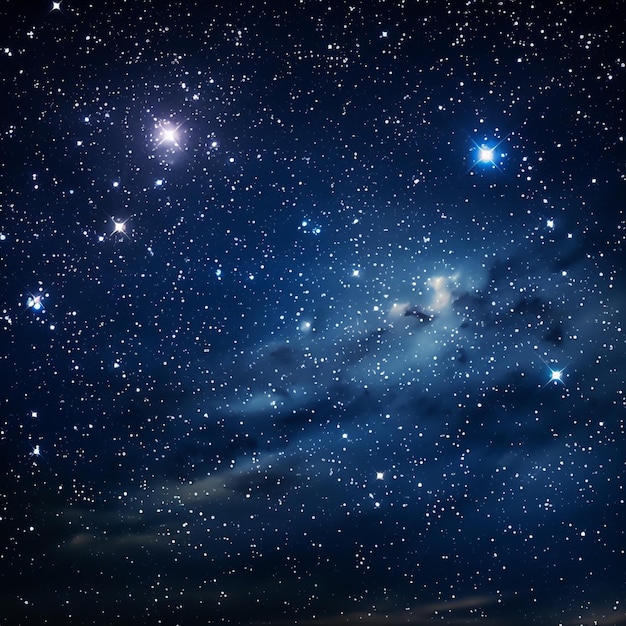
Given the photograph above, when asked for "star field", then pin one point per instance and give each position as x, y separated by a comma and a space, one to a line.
312, 313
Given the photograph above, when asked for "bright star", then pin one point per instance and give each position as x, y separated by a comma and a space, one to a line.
557, 376
56, 6
380, 475
485, 154
168, 134
35, 303
119, 227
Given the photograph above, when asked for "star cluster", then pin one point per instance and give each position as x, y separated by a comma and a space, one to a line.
312, 313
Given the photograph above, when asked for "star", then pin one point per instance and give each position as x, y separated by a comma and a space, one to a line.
169, 134
35, 302
556, 375
488, 153
56, 6
119, 227
485, 154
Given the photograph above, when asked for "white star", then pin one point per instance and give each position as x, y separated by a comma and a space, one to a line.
556, 375
34, 302
119, 228
486, 154
169, 134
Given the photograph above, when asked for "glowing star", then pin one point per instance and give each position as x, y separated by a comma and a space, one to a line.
36, 451
35, 302
119, 227
556, 376
485, 154
169, 135
56, 6
380, 475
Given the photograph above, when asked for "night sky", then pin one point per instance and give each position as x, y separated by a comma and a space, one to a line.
312, 312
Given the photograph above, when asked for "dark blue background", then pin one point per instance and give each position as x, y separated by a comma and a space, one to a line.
310, 382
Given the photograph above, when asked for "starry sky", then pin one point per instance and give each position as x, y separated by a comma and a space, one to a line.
312, 312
